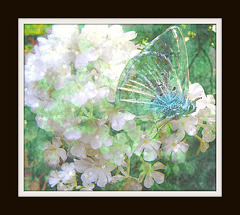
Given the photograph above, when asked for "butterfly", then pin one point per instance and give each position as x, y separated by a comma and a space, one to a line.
156, 81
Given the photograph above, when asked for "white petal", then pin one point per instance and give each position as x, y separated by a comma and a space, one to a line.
56, 142
128, 116
174, 157
155, 145
79, 99
138, 149
148, 182
158, 177
184, 147
118, 123
191, 130
130, 35
81, 61
149, 154
158, 165
78, 150
118, 159
92, 54
195, 91
90, 175
201, 103
192, 120
176, 124
108, 142
62, 154
48, 145
96, 144
212, 107
179, 135
102, 179
72, 134
210, 99
53, 178
82, 165
103, 92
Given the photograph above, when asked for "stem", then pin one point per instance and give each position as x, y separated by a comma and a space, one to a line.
200, 140
85, 111
142, 160
44, 186
109, 125
197, 137
165, 121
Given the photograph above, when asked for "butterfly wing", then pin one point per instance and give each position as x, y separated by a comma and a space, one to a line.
159, 69
171, 44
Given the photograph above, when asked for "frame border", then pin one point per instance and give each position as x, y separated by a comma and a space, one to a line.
216, 21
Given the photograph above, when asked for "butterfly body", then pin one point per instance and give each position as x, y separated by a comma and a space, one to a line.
156, 81
172, 106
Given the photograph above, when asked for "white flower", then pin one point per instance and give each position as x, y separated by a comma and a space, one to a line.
97, 171
30, 99
147, 146
101, 92
129, 183
188, 124
117, 151
151, 174
99, 137
207, 132
78, 149
63, 75
66, 187
113, 48
53, 178
72, 133
206, 115
88, 91
87, 187
35, 69
173, 146
195, 91
53, 152
67, 172
206, 101
83, 59
95, 34
118, 120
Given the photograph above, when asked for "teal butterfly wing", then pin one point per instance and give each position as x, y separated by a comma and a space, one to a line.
172, 45
159, 70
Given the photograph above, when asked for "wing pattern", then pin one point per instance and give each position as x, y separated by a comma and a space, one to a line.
160, 69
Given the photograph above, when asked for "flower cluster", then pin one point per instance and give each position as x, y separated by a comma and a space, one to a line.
201, 121
70, 83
